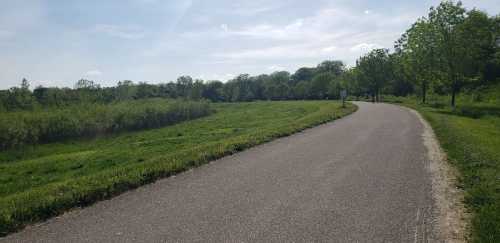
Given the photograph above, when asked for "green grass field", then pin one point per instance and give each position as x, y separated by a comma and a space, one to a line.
470, 135
41, 181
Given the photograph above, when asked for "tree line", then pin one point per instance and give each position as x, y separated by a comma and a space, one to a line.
448, 51
321, 82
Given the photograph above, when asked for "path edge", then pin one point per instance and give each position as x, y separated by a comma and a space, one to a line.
453, 220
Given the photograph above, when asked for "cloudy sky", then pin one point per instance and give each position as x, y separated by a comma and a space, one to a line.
55, 43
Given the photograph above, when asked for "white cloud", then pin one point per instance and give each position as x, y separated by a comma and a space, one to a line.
6, 34
93, 73
297, 24
253, 11
327, 25
248, 8
216, 76
329, 33
267, 53
365, 47
224, 27
146, 1
287, 52
275, 68
329, 49
123, 32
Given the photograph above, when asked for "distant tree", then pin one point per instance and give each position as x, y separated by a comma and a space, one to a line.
276, 86
301, 90
167, 90
125, 83
334, 67
230, 91
213, 91
375, 71
145, 90
402, 83
240, 88
125, 90
3, 100
25, 85
259, 86
303, 74
352, 83
41, 94
197, 90
86, 84
19, 97
334, 87
184, 86
320, 85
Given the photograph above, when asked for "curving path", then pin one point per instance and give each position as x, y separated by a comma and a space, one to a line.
363, 178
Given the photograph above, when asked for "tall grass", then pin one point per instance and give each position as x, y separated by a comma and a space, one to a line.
21, 128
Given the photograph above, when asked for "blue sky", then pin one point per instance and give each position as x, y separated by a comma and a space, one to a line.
57, 42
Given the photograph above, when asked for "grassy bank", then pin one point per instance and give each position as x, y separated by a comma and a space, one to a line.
22, 128
470, 135
43, 181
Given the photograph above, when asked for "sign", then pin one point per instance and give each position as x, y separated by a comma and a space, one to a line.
343, 94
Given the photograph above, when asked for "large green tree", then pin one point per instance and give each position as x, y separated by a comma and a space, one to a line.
375, 71
417, 54
445, 20
477, 44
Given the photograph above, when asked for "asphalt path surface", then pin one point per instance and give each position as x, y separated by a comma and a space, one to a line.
363, 178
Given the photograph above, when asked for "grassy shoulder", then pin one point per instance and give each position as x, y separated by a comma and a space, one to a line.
470, 136
42, 181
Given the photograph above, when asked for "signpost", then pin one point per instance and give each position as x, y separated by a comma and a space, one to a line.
343, 96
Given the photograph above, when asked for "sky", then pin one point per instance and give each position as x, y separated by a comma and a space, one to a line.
57, 42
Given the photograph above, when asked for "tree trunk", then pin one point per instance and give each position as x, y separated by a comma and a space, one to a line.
424, 92
453, 93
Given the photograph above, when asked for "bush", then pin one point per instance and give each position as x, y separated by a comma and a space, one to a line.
22, 128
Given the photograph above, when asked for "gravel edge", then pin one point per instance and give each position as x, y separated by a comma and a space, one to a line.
452, 219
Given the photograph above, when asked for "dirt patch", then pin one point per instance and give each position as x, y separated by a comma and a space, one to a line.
452, 217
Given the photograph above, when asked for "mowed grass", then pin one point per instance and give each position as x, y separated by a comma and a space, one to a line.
38, 182
470, 135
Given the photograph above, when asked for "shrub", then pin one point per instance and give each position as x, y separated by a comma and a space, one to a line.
21, 128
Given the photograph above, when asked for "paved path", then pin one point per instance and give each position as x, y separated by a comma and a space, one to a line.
363, 178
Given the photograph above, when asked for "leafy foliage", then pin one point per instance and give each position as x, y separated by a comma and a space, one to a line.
450, 50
